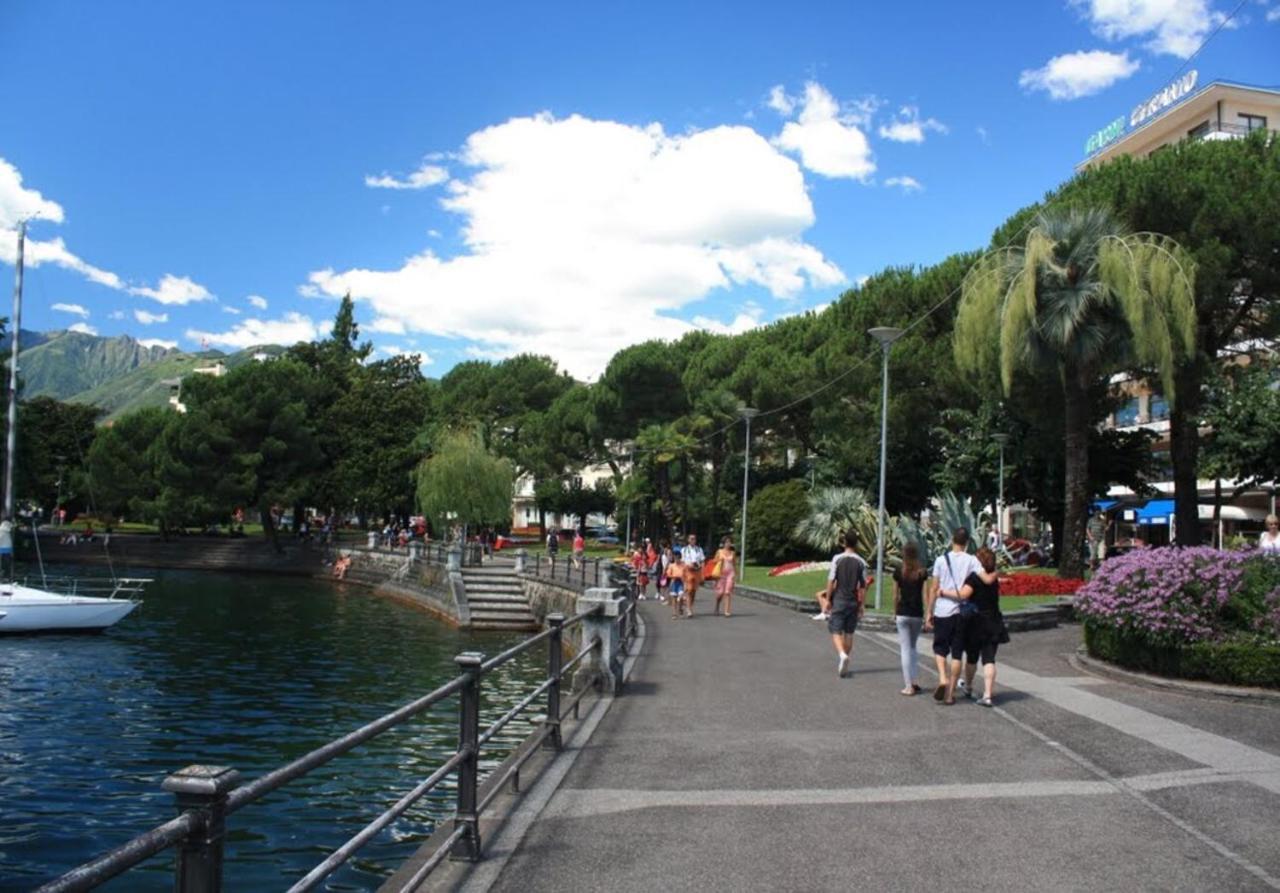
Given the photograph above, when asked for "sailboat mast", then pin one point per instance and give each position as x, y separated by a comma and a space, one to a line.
12, 444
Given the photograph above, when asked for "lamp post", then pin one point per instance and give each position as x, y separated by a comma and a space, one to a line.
812, 460
747, 414
631, 470
1003, 440
886, 335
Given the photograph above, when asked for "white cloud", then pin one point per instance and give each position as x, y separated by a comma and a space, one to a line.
147, 319
826, 138
289, 330
747, 319
175, 290
387, 325
1176, 27
983, 135
227, 308
19, 203
1273, 14
1075, 75
76, 309
780, 102
908, 127
862, 280
117, 314
158, 342
393, 350
584, 236
425, 176
258, 301
83, 328
908, 184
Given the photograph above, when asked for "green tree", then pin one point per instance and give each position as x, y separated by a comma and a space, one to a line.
1078, 300
53, 440
1244, 415
122, 462
464, 481
772, 517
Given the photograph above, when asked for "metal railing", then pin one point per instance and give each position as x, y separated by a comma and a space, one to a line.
207, 795
580, 574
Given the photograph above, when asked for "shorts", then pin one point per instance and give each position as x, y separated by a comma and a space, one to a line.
981, 639
843, 621
948, 636
677, 587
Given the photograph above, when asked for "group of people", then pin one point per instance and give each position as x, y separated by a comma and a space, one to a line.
959, 602
676, 573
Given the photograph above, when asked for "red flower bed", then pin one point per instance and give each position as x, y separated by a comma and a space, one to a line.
1037, 584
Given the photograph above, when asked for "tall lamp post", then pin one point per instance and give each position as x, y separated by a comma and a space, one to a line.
1003, 440
747, 414
631, 470
886, 335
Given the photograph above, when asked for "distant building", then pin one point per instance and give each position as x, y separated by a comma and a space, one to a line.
524, 506
1221, 110
217, 370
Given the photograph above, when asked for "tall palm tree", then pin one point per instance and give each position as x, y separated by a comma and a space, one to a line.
1083, 298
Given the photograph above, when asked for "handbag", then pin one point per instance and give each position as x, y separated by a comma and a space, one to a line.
1002, 636
713, 570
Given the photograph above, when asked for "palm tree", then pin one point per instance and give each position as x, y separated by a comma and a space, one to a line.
663, 445
832, 511
1082, 298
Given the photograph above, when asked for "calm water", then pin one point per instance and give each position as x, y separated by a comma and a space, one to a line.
248, 672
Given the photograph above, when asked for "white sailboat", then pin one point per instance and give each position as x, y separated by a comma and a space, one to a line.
65, 605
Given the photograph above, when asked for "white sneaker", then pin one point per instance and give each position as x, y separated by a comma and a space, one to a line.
842, 666
821, 616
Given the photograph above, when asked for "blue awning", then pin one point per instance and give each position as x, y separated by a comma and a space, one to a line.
1103, 504
1157, 511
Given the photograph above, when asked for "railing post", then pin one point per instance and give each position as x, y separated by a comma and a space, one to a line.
467, 849
203, 789
521, 557
603, 577
603, 624
453, 558
555, 660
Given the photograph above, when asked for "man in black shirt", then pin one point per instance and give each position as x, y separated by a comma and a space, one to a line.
846, 590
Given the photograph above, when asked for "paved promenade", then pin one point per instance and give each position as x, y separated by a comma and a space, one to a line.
738, 760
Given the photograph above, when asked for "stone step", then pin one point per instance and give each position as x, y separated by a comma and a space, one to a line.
513, 592
496, 626
501, 610
496, 598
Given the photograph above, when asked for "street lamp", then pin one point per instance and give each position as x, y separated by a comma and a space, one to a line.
1003, 440
747, 414
812, 460
886, 335
631, 470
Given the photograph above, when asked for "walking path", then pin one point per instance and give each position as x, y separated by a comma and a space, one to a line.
737, 759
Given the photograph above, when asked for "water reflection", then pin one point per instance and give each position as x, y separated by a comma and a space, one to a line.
249, 672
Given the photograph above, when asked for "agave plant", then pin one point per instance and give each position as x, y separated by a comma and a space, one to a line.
934, 538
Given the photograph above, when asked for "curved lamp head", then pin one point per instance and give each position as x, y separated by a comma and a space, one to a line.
886, 335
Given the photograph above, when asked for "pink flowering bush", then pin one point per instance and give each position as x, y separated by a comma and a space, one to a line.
1170, 596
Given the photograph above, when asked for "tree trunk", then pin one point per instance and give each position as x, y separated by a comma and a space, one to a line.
1076, 477
1184, 450
1217, 511
269, 528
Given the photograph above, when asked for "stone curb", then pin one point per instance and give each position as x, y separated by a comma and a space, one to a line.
1083, 662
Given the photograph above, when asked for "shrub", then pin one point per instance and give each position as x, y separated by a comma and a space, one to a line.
1168, 596
772, 516
1242, 660
1257, 604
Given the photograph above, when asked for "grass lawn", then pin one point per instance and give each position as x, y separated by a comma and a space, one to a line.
806, 584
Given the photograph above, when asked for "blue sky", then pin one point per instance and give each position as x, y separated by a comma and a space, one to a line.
562, 178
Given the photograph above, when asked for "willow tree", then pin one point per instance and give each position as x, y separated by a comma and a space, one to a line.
465, 483
1081, 299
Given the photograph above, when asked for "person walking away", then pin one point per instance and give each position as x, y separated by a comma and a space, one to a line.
693, 558
993, 538
846, 588
553, 547
1269, 542
579, 548
908, 614
728, 559
942, 612
982, 631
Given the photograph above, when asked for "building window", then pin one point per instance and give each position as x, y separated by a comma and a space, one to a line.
1159, 408
1253, 122
1200, 131
1127, 414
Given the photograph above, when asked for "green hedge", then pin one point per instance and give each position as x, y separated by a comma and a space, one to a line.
1241, 661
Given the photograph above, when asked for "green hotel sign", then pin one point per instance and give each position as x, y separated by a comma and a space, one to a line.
1112, 131
1172, 94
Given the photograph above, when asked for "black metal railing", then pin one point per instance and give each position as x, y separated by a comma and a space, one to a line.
207, 795
579, 573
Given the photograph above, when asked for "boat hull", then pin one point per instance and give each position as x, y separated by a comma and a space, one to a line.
24, 610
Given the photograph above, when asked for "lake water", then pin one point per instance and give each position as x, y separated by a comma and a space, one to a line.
244, 671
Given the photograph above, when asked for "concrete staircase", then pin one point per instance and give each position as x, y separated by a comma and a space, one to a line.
496, 598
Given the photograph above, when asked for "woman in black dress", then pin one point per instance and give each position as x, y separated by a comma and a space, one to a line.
982, 629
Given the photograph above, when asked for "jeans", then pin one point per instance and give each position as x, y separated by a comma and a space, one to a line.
908, 632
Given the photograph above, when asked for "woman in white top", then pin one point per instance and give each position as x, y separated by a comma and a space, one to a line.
1269, 542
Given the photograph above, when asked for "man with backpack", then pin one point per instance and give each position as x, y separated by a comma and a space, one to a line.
846, 593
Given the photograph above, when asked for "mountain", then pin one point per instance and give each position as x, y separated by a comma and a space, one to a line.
116, 374
63, 364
